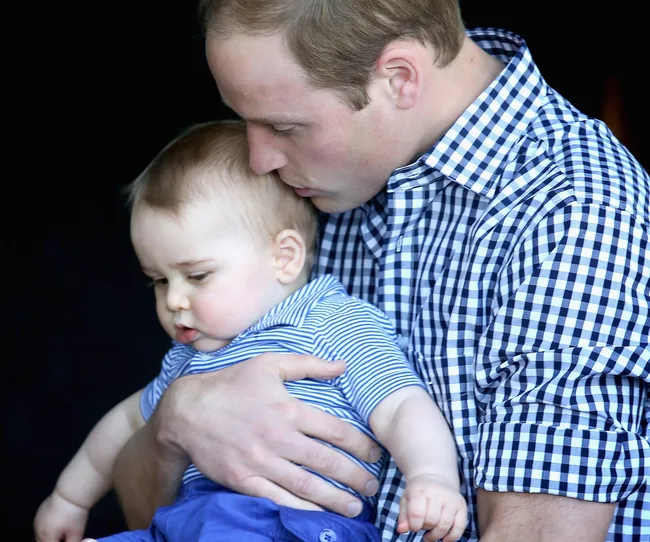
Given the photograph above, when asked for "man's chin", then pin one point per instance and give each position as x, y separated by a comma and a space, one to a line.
333, 206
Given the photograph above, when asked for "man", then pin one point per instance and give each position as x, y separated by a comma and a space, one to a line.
504, 233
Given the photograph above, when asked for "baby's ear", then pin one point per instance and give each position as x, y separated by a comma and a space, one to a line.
288, 255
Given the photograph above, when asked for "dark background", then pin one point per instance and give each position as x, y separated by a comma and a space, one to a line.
97, 89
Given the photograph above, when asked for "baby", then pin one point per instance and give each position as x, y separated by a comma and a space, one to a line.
229, 255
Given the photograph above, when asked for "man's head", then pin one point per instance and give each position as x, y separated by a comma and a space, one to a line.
337, 43
332, 91
221, 244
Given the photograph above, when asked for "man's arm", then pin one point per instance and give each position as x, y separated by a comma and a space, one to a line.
512, 517
242, 429
147, 474
562, 383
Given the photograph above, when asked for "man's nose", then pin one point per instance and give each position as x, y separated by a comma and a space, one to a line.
264, 152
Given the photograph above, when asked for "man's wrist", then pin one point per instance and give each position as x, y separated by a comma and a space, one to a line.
167, 422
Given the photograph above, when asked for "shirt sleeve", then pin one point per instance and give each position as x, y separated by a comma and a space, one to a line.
364, 338
173, 364
563, 372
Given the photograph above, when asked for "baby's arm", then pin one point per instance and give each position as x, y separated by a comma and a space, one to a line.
88, 476
410, 425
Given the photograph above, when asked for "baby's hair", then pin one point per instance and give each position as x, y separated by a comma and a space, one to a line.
209, 162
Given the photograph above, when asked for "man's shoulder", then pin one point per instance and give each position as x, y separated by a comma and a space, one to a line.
597, 166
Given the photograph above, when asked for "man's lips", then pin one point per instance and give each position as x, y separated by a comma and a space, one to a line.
303, 192
185, 335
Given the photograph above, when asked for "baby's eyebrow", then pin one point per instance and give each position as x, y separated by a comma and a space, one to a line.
191, 263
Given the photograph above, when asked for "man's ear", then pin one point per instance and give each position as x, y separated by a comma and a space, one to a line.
289, 254
399, 66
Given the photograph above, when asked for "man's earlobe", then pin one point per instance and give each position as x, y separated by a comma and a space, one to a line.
289, 254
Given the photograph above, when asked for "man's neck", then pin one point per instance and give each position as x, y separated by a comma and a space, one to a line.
452, 89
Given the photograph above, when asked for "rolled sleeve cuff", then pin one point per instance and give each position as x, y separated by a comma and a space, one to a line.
593, 465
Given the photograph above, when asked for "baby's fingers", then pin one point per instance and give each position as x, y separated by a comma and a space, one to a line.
448, 526
402, 519
458, 527
417, 513
439, 520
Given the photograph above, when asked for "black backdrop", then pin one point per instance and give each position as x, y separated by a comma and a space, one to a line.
99, 89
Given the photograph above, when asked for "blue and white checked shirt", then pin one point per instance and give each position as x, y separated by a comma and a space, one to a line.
513, 257
320, 319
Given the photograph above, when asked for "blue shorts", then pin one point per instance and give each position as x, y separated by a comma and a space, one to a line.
209, 512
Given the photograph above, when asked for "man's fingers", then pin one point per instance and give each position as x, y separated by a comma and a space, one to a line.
329, 462
299, 366
288, 483
323, 426
261, 487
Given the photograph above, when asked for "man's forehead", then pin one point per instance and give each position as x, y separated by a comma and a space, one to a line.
253, 61
248, 50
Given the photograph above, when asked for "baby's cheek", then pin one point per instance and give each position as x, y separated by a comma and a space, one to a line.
209, 311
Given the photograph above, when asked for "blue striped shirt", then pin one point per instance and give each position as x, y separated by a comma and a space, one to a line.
512, 258
320, 319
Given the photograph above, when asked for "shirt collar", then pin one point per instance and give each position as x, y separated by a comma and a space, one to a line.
296, 308
474, 151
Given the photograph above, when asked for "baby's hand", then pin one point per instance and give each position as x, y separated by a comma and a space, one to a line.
430, 503
58, 519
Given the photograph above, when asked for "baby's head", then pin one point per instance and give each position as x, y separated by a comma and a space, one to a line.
222, 245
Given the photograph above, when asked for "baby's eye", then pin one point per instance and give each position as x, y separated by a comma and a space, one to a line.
198, 277
158, 283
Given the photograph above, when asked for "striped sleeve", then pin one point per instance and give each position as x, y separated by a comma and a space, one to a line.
362, 336
175, 360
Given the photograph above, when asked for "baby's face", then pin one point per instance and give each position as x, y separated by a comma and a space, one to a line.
211, 279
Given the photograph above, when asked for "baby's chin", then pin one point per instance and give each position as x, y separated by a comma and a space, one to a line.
208, 344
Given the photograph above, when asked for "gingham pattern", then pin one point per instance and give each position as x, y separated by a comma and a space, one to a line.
322, 320
513, 258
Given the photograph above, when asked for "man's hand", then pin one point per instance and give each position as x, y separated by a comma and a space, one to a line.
512, 517
242, 429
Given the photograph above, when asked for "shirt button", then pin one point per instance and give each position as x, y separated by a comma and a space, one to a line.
327, 535
402, 342
398, 245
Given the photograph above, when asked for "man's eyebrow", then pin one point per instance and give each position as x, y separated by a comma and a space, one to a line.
280, 119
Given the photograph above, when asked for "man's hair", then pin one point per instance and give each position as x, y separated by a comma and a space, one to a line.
210, 162
338, 42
